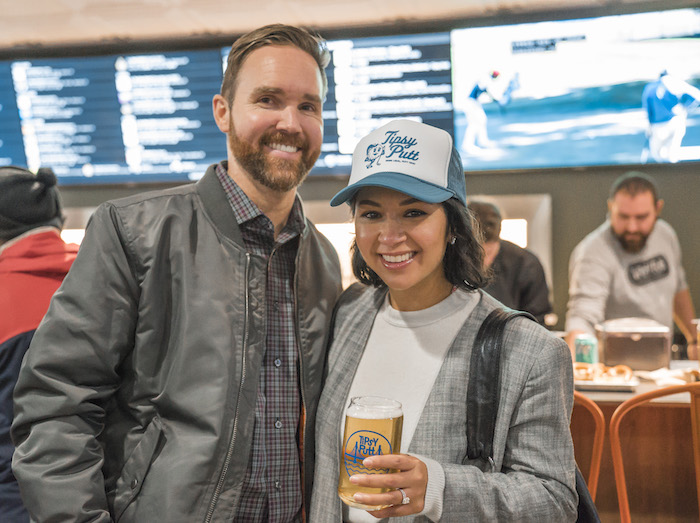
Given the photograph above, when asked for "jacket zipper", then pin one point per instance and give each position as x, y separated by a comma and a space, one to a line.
229, 453
302, 384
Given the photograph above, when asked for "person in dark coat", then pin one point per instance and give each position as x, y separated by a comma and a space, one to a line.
33, 262
518, 279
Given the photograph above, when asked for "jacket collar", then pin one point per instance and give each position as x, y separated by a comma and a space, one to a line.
216, 205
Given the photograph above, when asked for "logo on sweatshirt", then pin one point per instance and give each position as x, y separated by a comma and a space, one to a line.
648, 271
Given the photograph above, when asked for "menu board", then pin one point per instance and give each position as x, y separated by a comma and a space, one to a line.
375, 80
11, 144
113, 118
67, 113
167, 123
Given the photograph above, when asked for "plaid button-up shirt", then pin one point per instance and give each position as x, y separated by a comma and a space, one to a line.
272, 484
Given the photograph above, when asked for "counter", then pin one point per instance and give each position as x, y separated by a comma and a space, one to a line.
658, 455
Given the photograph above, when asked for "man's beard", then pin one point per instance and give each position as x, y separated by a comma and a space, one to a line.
274, 173
632, 243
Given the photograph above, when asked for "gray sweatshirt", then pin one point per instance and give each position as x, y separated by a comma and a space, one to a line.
606, 282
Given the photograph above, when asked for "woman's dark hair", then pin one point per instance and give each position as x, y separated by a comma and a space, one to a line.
464, 259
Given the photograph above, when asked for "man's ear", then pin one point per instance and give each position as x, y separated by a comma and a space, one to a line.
221, 110
659, 206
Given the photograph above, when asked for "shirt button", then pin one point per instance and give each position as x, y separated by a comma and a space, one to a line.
278, 362
134, 483
278, 424
276, 305
278, 484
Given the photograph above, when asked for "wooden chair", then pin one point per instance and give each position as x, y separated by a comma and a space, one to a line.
598, 439
616, 448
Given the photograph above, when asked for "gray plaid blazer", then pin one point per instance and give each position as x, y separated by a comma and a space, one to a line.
534, 475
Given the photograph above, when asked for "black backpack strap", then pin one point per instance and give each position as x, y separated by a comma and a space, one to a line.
482, 390
587, 511
482, 401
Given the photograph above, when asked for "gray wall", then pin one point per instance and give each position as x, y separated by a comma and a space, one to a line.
578, 206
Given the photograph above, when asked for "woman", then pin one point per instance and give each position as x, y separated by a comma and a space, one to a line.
407, 334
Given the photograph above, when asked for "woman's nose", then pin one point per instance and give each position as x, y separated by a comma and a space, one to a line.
392, 233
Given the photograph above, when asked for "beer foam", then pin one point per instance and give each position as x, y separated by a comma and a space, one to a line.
374, 407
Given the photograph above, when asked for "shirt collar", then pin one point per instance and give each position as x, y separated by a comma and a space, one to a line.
245, 210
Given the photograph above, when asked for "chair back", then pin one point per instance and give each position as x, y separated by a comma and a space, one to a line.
598, 440
616, 447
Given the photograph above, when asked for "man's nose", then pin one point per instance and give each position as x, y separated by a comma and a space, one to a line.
289, 120
633, 226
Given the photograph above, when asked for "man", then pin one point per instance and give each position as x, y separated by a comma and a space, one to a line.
33, 262
518, 279
630, 266
176, 375
667, 101
476, 133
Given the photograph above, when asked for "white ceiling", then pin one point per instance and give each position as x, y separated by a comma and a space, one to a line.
29, 23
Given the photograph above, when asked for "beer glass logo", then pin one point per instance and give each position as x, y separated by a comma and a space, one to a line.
362, 444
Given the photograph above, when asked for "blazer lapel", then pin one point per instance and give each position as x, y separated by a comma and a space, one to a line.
350, 338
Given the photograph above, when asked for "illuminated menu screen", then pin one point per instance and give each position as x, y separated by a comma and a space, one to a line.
375, 80
113, 119
11, 144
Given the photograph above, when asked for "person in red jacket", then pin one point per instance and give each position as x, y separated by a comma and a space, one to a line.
33, 262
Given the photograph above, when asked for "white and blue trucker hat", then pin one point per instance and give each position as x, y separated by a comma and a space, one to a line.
414, 158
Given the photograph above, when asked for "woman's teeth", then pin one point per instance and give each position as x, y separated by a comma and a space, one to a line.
397, 259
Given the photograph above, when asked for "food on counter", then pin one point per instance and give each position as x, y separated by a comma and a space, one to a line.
601, 372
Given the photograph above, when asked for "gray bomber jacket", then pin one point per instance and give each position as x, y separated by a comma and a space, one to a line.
135, 402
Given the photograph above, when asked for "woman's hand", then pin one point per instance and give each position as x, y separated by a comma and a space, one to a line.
412, 478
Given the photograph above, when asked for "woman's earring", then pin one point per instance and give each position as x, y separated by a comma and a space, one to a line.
453, 240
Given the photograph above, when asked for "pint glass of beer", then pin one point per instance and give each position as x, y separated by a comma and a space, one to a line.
372, 426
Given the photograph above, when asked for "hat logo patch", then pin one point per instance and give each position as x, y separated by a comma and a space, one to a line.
375, 151
395, 148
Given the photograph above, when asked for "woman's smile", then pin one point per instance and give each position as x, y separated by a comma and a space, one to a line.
403, 240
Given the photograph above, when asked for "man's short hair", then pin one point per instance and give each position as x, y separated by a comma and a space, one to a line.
274, 34
478, 206
484, 213
633, 183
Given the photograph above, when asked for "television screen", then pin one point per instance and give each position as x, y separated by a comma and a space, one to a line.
562, 93
570, 92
